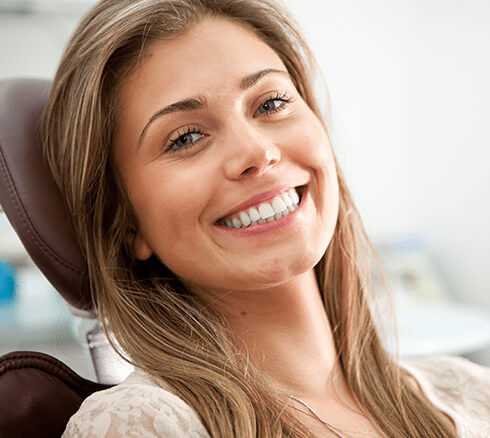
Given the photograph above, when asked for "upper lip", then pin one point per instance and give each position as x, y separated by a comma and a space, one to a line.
256, 199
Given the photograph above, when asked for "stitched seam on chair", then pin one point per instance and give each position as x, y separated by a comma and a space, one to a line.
68, 376
27, 223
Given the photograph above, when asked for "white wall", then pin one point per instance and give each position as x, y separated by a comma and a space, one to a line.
410, 93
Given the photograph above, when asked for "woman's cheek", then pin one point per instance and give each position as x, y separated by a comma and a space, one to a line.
306, 135
311, 146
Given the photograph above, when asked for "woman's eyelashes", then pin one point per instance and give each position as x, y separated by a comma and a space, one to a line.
273, 104
184, 140
191, 135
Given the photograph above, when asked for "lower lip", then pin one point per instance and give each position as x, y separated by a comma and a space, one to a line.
268, 226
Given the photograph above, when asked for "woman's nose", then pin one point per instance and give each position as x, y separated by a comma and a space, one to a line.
251, 155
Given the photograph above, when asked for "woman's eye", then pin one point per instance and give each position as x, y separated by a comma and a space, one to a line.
184, 140
272, 104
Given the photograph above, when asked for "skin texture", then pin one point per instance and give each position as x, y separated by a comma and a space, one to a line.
265, 285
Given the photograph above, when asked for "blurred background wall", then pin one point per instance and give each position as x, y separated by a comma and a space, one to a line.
410, 108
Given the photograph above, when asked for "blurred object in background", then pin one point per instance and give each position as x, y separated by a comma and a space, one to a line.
33, 316
39, 313
35, 308
429, 321
411, 269
7, 292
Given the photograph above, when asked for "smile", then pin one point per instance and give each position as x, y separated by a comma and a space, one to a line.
269, 211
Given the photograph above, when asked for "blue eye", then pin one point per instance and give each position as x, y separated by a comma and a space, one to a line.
185, 140
273, 104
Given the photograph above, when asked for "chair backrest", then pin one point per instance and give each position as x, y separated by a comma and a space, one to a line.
29, 196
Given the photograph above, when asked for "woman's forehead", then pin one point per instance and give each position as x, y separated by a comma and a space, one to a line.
213, 54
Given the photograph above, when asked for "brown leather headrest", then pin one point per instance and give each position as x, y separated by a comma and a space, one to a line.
39, 394
29, 196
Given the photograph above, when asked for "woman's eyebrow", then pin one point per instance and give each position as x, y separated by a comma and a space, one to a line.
192, 104
250, 80
182, 105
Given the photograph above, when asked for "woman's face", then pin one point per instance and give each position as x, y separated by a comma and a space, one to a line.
212, 133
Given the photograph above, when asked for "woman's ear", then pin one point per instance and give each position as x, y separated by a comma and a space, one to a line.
141, 249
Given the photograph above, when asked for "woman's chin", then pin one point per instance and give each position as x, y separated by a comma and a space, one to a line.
276, 272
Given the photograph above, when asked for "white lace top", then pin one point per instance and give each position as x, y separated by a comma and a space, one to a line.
139, 407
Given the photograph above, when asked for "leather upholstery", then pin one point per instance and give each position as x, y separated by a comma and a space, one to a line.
39, 394
29, 195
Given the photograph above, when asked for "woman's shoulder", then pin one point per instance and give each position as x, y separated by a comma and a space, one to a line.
137, 407
458, 387
449, 372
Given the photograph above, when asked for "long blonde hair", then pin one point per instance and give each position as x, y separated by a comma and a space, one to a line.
160, 326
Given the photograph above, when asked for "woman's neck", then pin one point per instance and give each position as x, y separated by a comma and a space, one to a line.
287, 334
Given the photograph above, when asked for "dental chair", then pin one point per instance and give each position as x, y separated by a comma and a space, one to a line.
38, 393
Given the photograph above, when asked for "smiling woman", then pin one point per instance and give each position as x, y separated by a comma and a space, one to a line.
225, 254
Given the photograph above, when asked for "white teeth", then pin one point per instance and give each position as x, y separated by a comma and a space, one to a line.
254, 214
266, 210
287, 199
294, 196
236, 222
278, 205
245, 219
